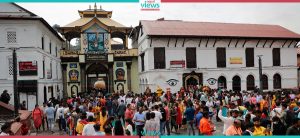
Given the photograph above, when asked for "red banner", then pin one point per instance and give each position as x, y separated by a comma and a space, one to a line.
177, 64
28, 68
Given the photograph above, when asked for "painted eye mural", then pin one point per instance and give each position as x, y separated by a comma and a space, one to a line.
211, 81
172, 82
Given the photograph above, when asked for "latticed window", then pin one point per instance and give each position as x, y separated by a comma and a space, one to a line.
10, 66
11, 37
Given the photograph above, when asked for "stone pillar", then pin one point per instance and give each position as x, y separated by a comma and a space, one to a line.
110, 77
126, 42
82, 77
65, 79
128, 65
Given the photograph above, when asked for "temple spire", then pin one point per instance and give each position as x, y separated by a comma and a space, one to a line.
95, 9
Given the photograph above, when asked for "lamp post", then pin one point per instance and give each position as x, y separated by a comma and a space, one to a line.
15, 84
260, 73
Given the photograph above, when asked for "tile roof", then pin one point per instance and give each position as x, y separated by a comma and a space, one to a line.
7, 106
31, 16
187, 28
83, 21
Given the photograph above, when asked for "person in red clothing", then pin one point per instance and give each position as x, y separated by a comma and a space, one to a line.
205, 126
167, 118
168, 94
70, 100
128, 113
179, 116
37, 116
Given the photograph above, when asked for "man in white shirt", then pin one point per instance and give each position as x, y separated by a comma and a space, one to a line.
233, 99
88, 129
90, 113
128, 100
122, 96
228, 121
158, 115
226, 100
203, 98
60, 116
276, 111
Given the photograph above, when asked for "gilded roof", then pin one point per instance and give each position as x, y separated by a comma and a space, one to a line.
83, 21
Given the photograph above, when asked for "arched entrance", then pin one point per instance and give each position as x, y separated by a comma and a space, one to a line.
192, 79
277, 81
95, 72
222, 82
265, 82
250, 83
236, 84
74, 90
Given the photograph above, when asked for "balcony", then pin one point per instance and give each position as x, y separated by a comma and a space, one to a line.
117, 53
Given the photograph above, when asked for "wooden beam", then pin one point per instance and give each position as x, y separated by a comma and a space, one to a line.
206, 42
199, 42
257, 43
215, 42
296, 44
168, 41
229, 42
238, 40
176, 42
272, 43
151, 42
265, 43
244, 43
290, 43
183, 42
284, 43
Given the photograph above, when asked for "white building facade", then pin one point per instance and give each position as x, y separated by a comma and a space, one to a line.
175, 54
38, 57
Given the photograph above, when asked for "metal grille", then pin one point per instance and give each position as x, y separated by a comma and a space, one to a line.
11, 37
10, 66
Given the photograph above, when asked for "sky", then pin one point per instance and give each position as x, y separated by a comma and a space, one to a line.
129, 14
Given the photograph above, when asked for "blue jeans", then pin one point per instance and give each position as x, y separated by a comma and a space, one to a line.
162, 127
190, 127
50, 123
63, 124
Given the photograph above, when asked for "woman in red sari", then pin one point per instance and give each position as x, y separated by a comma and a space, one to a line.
37, 115
179, 116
